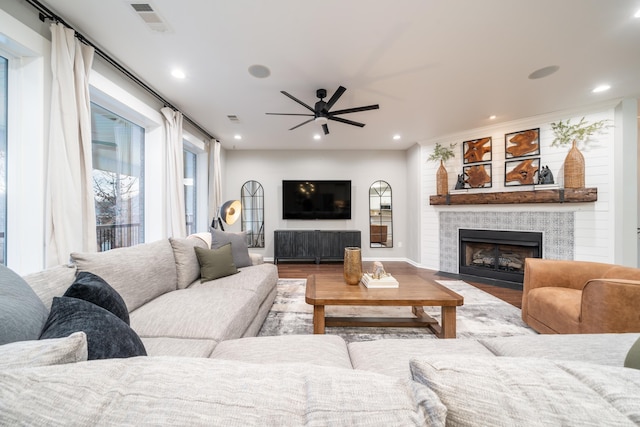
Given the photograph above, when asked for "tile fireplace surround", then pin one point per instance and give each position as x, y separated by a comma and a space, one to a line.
557, 230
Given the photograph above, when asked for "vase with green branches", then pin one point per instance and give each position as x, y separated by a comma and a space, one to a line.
443, 154
566, 132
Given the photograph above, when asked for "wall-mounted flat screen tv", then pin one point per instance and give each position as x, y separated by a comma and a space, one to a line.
316, 199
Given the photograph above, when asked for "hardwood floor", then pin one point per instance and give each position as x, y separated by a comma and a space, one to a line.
296, 270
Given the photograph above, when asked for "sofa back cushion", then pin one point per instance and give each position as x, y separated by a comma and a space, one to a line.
138, 273
52, 282
187, 267
22, 313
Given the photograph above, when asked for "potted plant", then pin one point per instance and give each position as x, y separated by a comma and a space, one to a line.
442, 178
565, 133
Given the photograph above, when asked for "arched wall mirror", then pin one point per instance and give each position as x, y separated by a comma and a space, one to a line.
252, 199
380, 215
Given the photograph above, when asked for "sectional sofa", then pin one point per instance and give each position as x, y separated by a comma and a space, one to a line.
204, 365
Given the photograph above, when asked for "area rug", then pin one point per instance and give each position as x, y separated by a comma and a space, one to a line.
481, 316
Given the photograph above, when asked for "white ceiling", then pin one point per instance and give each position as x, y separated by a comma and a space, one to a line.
435, 67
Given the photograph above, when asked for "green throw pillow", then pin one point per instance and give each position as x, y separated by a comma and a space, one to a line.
633, 357
215, 263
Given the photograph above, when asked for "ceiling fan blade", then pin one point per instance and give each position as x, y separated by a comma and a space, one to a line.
356, 109
289, 114
297, 100
336, 95
325, 128
349, 122
303, 123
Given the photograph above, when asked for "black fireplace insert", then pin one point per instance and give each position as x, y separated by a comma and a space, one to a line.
497, 254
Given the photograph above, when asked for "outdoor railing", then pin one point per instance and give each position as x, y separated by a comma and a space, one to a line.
117, 236
123, 235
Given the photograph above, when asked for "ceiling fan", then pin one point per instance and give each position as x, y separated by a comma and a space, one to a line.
321, 113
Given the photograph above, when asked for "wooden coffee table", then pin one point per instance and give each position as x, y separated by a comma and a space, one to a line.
414, 291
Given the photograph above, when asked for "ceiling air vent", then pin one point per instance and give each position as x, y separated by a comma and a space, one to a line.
233, 118
150, 17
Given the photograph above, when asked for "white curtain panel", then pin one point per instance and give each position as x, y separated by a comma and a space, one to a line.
70, 208
215, 184
176, 220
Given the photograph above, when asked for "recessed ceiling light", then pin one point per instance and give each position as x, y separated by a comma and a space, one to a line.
492, 117
601, 88
543, 72
396, 137
637, 14
316, 136
238, 137
259, 71
178, 74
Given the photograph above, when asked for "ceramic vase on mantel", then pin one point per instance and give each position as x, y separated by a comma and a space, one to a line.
574, 168
352, 265
442, 180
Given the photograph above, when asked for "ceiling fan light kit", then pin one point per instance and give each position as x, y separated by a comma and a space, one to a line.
322, 110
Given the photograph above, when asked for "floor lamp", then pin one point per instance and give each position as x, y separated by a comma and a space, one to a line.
229, 213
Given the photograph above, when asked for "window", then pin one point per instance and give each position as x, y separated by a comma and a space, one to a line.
190, 190
118, 179
3, 155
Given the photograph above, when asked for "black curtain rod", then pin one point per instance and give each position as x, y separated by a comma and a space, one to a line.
46, 13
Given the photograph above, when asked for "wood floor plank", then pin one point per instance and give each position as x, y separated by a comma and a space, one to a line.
298, 270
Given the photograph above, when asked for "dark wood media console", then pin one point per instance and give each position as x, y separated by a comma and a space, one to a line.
316, 245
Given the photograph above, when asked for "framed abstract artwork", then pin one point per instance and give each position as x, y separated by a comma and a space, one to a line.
522, 143
521, 172
477, 150
477, 176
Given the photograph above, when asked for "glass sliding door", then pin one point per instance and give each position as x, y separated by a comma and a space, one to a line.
118, 179
190, 190
4, 65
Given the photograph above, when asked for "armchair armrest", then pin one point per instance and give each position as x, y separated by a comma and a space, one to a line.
610, 305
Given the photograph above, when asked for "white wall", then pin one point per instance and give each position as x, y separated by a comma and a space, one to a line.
595, 223
361, 167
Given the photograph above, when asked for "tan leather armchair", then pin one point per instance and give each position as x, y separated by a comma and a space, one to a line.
573, 297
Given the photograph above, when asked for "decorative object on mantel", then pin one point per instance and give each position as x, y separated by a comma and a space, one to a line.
478, 176
566, 133
523, 143
545, 177
547, 195
460, 182
476, 150
352, 265
442, 178
521, 172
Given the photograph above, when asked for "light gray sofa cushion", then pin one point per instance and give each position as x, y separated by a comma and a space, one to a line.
52, 282
214, 314
392, 356
188, 391
604, 349
187, 267
181, 347
260, 279
138, 273
323, 350
54, 351
22, 313
507, 391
